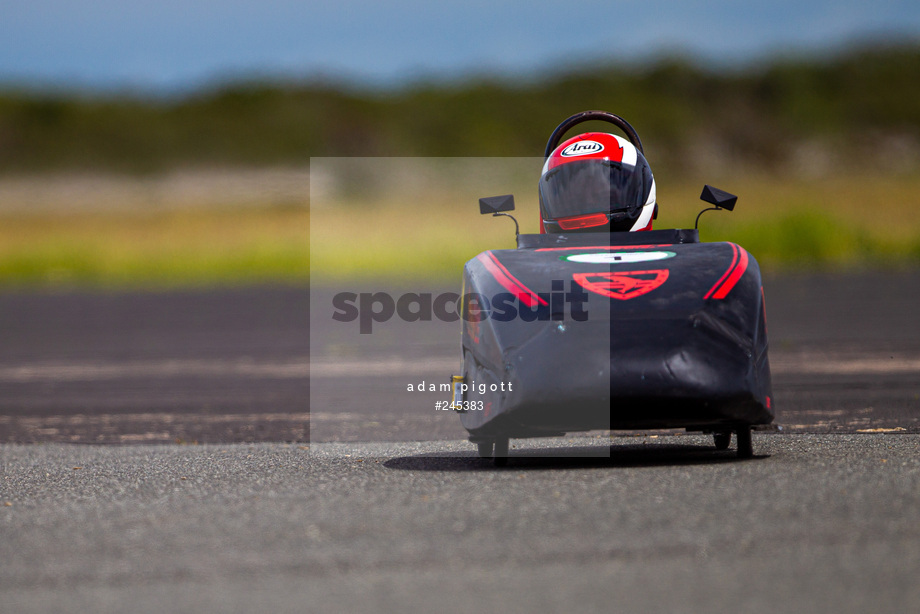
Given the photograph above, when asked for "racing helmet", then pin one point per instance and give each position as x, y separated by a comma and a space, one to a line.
595, 182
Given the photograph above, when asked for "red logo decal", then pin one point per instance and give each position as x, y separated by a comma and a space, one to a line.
622, 285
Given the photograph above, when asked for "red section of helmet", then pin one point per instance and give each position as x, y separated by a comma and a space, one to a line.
575, 222
611, 149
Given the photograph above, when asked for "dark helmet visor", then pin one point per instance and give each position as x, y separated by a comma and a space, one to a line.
595, 186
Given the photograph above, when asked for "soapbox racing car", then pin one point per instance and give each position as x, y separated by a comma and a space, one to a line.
612, 331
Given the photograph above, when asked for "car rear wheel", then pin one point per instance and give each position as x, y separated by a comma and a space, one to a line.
745, 445
501, 452
722, 440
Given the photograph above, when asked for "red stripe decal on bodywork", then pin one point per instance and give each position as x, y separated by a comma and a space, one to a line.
731, 276
727, 272
763, 304
508, 281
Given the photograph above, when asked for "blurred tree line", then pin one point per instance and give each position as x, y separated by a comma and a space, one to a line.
857, 108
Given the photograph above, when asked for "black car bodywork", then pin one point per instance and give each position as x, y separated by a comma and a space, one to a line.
610, 331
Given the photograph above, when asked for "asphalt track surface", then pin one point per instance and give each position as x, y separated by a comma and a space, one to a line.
814, 523
387, 508
239, 366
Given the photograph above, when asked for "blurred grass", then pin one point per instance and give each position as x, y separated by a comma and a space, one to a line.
164, 249
841, 222
831, 223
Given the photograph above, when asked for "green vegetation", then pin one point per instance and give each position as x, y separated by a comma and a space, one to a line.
837, 222
171, 248
688, 117
823, 223
824, 154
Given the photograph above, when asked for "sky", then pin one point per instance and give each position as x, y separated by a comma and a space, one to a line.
175, 45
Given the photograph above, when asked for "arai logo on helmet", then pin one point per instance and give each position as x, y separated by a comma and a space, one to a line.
581, 148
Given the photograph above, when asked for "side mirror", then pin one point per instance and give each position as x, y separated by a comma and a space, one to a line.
496, 204
717, 197
714, 196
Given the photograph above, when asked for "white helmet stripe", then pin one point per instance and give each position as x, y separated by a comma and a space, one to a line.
629, 150
644, 218
648, 210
